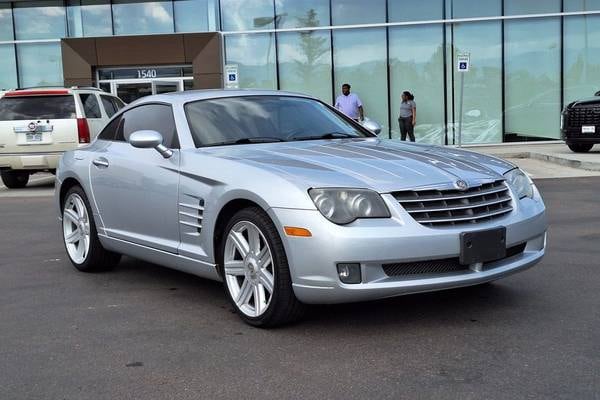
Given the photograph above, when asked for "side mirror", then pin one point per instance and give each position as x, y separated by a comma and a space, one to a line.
372, 126
149, 140
597, 93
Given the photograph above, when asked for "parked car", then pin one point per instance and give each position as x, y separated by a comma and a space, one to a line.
580, 124
289, 202
37, 125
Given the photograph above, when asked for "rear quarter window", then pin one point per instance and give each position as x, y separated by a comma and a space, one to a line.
37, 107
109, 106
91, 108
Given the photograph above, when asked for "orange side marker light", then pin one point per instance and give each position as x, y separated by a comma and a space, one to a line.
295, 231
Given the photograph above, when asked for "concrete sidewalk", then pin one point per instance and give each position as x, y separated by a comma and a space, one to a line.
546, 160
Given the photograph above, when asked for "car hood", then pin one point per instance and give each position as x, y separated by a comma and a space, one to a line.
381, 165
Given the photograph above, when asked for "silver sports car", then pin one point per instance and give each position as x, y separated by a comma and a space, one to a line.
289, 202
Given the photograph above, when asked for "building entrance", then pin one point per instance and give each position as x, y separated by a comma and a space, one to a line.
130, 84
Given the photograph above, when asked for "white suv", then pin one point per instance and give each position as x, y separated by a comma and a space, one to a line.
38, 125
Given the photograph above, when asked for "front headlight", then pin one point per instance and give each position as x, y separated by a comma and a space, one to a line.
520, 183
342, 206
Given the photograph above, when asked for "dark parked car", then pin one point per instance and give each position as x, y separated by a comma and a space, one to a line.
580, 124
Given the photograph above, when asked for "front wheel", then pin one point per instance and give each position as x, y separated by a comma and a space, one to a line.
580, 147
15, 179
256, 272
80, 236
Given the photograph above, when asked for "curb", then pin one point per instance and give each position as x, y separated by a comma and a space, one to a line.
586, 165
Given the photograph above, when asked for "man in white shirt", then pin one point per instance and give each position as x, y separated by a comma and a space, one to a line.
350, 104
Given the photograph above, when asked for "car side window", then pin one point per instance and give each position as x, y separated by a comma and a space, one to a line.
109, 106
91, 108
118, 103
110, 131
156, 117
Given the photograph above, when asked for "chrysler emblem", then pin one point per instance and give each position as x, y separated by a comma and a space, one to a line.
32, 126
461, 185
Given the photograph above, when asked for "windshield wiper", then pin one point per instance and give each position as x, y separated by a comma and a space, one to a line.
330, 135
248, 140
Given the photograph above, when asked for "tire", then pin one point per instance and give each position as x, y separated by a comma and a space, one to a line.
580, 147
85, 252
247, 279
15, 179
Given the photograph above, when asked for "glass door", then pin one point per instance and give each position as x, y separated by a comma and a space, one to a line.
129, 92
159, 87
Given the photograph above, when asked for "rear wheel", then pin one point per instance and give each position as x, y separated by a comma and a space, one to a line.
255, 270
580, 147
15, 179
80, 236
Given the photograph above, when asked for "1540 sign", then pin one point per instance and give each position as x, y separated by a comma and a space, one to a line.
146, 73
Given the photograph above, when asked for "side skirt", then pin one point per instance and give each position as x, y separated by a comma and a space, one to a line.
169, 260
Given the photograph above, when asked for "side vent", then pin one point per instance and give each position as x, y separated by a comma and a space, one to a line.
191, 211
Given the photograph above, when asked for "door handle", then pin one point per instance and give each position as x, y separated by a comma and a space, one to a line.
101, 162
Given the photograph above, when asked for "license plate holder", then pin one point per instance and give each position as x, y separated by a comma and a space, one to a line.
33, 137
588, 129
482, 246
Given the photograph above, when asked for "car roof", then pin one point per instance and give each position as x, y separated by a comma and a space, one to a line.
205, 94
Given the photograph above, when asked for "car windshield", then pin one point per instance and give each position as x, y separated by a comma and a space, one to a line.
37, 107
262, 119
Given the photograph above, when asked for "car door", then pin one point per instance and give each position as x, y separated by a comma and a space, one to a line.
136, 190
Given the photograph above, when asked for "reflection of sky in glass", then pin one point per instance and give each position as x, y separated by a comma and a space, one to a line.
293, 13
193, 15
40, 64
349, 12
8, 70
6, 27
305, 63
241, 15
532, 77
482, 111
581, 57
479, 8
581, 5
255, 56
96, 18
142, 17
409, 11
416, 65
360, 59
518, 7
39, 20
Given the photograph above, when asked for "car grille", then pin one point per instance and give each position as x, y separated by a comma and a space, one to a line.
443, 266
453, 207
580, 116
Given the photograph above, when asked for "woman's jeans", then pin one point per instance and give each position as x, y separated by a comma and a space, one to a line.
406, 126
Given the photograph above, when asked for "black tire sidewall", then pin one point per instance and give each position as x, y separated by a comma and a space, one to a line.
580, 147
15, 179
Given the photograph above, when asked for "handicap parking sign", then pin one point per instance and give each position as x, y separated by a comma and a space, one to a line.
231, 76
463, 62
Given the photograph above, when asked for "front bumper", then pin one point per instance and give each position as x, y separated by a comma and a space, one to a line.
399, 239
30, 161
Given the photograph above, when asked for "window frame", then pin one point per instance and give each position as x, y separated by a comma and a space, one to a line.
175, 142
109, 100
83, 106
356, 125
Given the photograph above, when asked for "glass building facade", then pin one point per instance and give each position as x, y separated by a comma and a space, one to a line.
529, 58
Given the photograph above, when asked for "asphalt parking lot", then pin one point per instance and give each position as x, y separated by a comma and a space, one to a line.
145, 332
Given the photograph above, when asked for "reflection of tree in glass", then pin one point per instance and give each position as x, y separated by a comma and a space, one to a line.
312, 47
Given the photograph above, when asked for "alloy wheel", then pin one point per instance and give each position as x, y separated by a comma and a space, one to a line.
248, 267
76, 228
